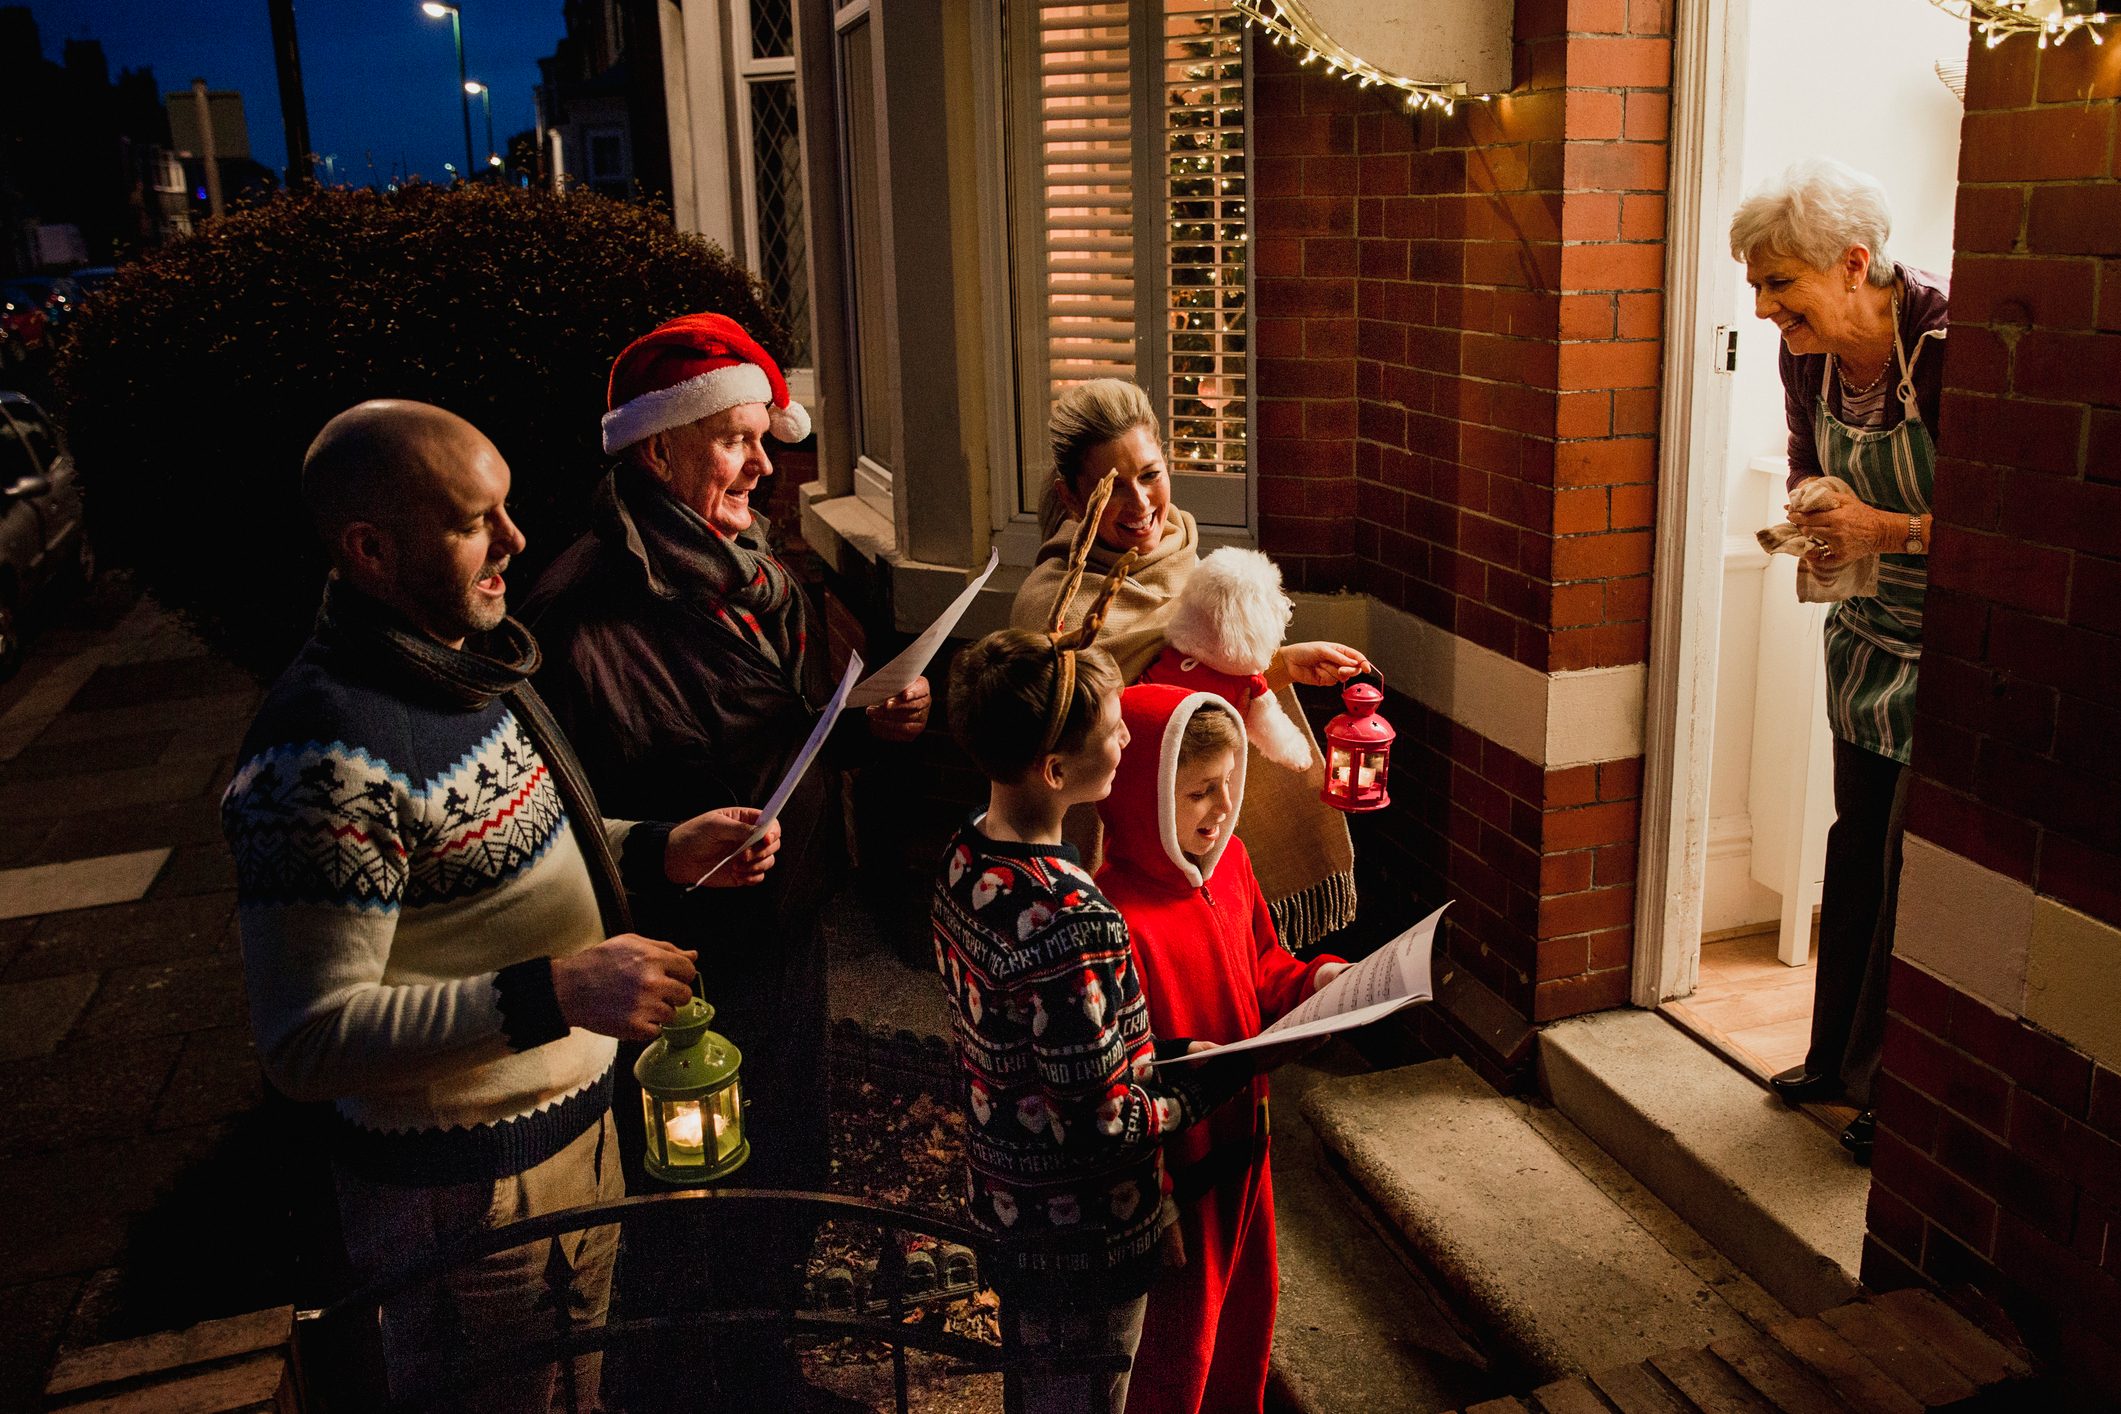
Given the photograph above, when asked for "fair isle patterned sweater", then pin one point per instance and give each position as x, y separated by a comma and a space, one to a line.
1065, 1115
405, 873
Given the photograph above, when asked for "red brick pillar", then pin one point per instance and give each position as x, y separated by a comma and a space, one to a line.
1459, 351
1999, 1150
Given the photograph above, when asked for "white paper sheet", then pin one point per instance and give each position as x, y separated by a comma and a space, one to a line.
898, 674
786, 788
1394, 976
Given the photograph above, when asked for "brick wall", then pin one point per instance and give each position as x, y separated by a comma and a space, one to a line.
1457, 326
1999, 1155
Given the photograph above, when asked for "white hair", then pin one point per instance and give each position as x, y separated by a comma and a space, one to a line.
1814, 212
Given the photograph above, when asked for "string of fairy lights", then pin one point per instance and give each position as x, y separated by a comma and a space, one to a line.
1997, 20
1291, 25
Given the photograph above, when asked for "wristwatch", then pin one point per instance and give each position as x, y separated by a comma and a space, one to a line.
1917, 535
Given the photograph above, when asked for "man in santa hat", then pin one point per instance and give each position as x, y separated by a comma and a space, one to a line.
681, 660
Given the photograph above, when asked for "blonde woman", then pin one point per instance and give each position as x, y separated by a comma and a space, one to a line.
1300, 846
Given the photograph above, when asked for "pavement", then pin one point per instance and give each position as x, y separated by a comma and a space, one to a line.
126, 1067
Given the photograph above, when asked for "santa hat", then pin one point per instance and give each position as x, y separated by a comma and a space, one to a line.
693, 367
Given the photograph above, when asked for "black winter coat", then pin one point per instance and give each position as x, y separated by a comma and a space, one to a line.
672, 714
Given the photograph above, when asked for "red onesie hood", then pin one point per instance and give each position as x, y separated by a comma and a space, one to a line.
1141, 813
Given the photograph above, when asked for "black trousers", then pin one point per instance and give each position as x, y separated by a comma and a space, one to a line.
1856, 912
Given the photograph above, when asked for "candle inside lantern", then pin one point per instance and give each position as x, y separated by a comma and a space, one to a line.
686, 1130
1365, 774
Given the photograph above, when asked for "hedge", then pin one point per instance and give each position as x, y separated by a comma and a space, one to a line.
194, 382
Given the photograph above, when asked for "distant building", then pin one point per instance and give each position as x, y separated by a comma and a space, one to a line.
79, 151
600, 104
242, 175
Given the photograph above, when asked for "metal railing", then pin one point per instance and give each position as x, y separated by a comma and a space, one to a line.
331, 1344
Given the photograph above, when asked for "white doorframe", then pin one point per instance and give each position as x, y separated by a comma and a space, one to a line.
1708, 82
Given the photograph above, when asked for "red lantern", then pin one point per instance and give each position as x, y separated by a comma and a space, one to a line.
1358, 750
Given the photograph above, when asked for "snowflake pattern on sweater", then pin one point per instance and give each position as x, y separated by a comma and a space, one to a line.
404, 870
1067, 1116
332, 824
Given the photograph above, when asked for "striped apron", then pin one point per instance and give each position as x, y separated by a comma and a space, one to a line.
1873, 642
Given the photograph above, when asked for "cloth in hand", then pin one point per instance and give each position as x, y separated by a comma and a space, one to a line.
1818, 583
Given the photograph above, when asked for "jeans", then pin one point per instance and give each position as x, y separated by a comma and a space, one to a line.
1057, 1329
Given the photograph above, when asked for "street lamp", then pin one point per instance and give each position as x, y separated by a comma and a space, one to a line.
438, 9
486, 99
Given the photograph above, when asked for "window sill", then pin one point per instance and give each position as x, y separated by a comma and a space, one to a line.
853, 539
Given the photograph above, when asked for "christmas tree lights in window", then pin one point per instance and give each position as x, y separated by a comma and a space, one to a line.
1288, 24
2053, 20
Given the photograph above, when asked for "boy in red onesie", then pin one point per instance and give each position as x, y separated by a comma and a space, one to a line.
1213, 970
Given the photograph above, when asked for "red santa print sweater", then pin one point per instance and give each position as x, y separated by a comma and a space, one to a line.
1065, 1114
1205, 945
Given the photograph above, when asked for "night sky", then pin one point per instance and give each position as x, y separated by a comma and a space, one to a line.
380, 76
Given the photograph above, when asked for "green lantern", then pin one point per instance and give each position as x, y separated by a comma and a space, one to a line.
691, 1101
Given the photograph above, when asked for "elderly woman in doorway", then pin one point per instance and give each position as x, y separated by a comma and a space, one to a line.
1862, 365
1299, 845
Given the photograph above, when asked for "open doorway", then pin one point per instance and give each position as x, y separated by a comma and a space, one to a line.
1745, 804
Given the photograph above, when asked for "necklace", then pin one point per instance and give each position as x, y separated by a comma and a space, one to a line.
1849, 390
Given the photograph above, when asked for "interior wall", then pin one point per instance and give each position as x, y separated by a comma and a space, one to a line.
1855, 82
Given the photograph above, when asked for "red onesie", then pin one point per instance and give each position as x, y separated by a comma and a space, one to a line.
1213, 971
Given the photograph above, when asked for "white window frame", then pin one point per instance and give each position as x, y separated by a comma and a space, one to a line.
746, 72
1227, 515
872, 479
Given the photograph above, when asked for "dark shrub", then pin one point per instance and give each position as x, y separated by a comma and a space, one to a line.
194, 382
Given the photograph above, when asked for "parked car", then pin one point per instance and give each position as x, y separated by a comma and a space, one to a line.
25, 329
58, 295
43, 540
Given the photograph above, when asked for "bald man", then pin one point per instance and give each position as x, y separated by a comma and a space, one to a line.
433, 913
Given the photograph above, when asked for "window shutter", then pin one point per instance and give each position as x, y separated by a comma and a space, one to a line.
1127, 162
1086, 154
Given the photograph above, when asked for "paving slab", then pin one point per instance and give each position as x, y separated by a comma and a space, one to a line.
197, 869
224, 711
82, 1092
155, 681
126, 934
1522, 1241
1771, 1189
36, 1015
216, 1078
43, 760
67, 1211
165, 998
60, 796
181, 822
79, 883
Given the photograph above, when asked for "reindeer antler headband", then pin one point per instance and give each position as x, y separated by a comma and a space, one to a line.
1067, 642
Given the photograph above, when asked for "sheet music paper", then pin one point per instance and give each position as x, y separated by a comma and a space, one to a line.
1394, 976
786, 788
898, 674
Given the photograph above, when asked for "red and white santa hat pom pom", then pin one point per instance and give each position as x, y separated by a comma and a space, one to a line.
693, 367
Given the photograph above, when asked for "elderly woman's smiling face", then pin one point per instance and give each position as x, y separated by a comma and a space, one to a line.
1811, 307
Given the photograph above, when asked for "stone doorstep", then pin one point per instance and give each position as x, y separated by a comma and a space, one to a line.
1358, 1328
1769, 1187
1561, 1274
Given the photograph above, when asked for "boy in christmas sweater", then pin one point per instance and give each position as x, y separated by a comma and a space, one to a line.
1213, 969
1066, 1116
